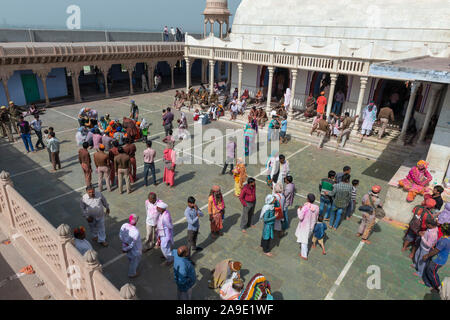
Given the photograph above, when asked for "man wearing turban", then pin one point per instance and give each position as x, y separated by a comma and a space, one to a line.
416, 181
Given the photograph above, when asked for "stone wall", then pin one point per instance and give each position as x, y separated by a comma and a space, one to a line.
67, 274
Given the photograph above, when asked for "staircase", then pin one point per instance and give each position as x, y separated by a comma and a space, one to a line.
387, 149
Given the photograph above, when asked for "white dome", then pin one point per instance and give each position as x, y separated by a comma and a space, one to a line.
395, 25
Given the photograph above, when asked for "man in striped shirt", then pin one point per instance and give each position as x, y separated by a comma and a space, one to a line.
342, 194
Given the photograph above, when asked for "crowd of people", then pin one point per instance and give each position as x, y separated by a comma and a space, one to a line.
174, 35
115, 155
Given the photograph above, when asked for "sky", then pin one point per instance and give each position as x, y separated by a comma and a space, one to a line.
118, 15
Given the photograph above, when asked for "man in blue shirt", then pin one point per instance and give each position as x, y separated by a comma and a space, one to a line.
283, 130
184, 273
192, 213
430, 276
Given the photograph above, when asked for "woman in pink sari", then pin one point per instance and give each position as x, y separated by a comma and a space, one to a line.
169, 166
416, 181
307, 216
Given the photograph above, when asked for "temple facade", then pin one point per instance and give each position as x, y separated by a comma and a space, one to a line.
368, 50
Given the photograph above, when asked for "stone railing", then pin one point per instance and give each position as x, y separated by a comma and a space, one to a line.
62, 49
66, 273
354, 66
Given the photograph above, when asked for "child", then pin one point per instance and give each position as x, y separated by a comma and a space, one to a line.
319, 234
46, 138
196, 115
352, 204
436, 195
283, 130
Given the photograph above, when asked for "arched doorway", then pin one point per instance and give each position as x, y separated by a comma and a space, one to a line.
281, 81
395, 94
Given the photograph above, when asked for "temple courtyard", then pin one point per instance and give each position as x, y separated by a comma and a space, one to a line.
345, 272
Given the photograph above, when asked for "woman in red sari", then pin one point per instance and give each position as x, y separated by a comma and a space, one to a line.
169, 166
216, 210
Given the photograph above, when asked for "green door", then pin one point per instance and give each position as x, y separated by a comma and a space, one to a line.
30, 88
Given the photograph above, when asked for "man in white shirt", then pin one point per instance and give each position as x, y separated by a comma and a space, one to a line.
80, 241
172, 31
36, 124
152, 221
131, 244
93, 204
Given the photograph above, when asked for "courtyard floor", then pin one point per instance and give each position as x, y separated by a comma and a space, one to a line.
340, 274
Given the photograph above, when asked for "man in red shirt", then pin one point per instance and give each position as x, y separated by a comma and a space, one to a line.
248, 200
130, 149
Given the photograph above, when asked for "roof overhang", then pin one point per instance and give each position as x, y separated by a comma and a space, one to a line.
425, 68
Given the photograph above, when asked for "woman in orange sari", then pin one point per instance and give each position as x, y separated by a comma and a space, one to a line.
216, 210
240, 176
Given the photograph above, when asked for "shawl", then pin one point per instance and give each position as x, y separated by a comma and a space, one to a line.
421, 178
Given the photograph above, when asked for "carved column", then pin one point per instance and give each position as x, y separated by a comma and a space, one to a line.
269, 88
211, 76
172, 67
105, 69
230, 67
188, 73
294, 82
130, 69
150, 72
221, 29
75, 73
333, 78
362, 89
412, 97
5, 206
42, 74
240, 72
5, 87
435, 90
92, 265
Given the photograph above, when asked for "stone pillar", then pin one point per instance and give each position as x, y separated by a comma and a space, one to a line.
42, 74
333, 77
5, 206
362, 89
65, 237
203, 74
221, 30
130, 75
150, 72
294, 82
435, 89
412, 97
92, 265
269, 88
128, 292
211, 76
5, 87
212, 28
172, 77
75, 84
204, 29
188, 74
240, 72
230, 67
105, 75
